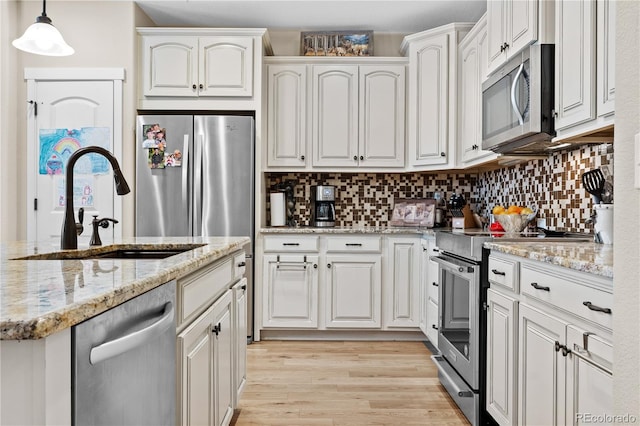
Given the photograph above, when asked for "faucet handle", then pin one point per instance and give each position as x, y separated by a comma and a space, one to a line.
95, 236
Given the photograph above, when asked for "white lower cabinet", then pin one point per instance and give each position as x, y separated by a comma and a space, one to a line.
240, 338
402, 296
211, 355
502, 317
429, 291
560, 369
290, 292
541, 368
353, 291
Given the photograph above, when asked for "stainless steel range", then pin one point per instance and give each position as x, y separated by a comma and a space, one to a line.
462, 318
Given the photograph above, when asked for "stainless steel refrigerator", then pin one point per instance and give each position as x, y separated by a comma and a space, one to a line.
195, 177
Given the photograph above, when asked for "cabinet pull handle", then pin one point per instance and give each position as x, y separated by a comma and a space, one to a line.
596, 308
241, 264
353, 244
434, 284
557, 346
495, 271
436, 250
565, 350
540, 287
434, 326
290, 244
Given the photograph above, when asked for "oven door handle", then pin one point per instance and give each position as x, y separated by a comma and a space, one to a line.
452, 267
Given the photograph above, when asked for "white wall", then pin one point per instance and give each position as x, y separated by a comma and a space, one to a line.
626, 217
103, 35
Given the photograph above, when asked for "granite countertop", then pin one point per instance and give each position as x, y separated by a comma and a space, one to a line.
581, 256
41, 297
348, 230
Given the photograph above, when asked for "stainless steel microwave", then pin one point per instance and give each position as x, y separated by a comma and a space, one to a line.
517, 104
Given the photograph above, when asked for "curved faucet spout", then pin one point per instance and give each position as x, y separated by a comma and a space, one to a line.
69, 238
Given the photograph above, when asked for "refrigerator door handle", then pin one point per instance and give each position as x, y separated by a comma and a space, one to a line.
187, 197
197, 179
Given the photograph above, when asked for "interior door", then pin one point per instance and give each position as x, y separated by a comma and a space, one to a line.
70, 114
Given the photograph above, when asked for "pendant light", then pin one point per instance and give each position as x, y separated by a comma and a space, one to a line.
42, 38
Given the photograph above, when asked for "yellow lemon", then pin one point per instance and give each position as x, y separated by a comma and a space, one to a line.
498, 210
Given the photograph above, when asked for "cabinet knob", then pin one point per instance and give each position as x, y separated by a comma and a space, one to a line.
194, 87
315, 266
355, 158
434, 326
302, 157
328, 265
443, 154
244, 287
201, 86
434, 284
241, 264
361, 157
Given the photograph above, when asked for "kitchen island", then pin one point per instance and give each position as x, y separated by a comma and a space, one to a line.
42, 299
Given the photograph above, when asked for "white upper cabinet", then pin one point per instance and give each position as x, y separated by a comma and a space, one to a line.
585, 67
358, 115
513, 25
473, 66
193, 66
432, 89
287, 106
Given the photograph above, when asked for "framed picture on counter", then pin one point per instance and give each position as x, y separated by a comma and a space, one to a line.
413, 212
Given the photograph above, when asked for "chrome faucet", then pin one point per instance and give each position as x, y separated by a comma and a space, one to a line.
69, 238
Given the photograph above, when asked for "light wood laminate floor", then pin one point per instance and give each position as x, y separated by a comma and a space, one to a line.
343, 383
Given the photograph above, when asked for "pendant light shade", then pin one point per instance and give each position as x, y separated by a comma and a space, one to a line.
42, 38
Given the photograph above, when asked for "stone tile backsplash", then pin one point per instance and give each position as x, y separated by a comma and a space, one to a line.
553, 184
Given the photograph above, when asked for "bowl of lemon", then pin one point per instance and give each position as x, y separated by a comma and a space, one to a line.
514, 219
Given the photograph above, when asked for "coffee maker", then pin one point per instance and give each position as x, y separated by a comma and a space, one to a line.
323, 209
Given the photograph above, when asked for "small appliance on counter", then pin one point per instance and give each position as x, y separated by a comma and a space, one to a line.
461, 215
323, 209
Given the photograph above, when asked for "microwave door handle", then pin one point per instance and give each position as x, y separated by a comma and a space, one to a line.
514, 86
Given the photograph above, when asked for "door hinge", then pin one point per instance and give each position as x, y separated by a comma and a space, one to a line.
35, 204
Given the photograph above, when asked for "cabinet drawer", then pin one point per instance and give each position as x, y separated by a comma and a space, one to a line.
567, 294
282, 243
196, 291
504, 272
353, 244
239, 265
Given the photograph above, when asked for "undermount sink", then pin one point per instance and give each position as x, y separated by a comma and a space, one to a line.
145, 251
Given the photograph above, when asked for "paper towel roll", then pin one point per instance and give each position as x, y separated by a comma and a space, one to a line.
278, 211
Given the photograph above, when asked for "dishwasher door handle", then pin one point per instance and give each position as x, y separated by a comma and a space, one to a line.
137, 338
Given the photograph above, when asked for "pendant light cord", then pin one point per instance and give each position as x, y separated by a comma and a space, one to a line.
44, 7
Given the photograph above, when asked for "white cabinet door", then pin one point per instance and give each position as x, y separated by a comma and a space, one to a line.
225, 66
195, 372
606, 56
424, 286
290, 296
335, 116
496, 33
541, 368
502, 323
589, 376
402, 289
575, 62
428, 120
240, 338
473, 68
170, 66
522, 24
287, 106
381, 116
432, 321
353, 291
223, 359
512, 25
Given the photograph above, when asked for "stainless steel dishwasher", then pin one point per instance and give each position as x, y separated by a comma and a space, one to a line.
124, 363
